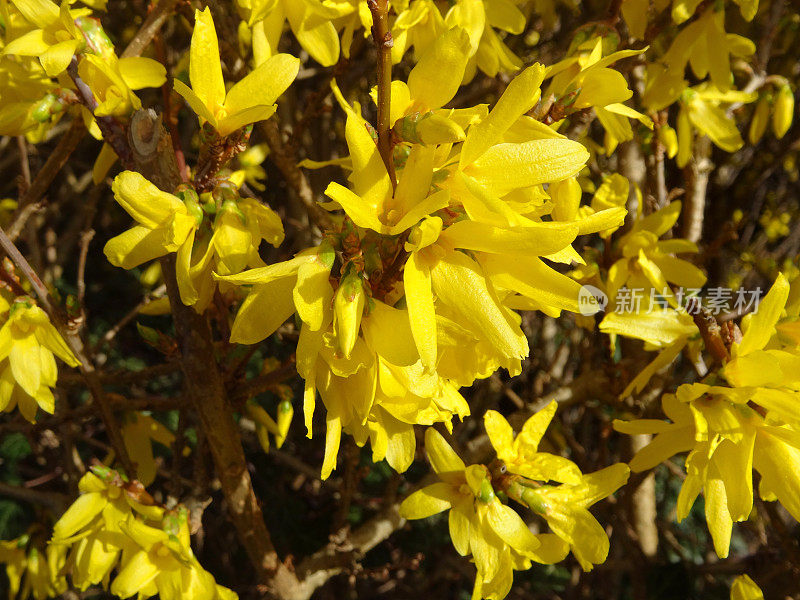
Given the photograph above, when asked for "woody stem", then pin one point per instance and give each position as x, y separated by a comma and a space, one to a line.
383, 44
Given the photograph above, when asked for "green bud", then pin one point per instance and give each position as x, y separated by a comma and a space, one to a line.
486, 493
44, 108
148, 334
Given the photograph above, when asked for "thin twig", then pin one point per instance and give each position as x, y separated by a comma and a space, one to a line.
86, 238
383, 44
152, 24
283, 157
28, 204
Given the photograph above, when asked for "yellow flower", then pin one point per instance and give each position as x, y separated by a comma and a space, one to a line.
701, 110
419, 23
481, 525
163, 562
313, 23
32, 571
90, 527
521, 454
112, 81
28, 343
765, 357
251, 99
417, 114
522, 467
727, 436
165, 225
54, 39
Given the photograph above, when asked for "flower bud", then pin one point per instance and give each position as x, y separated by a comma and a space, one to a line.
348, 306
758, 125
669, 139
784, 111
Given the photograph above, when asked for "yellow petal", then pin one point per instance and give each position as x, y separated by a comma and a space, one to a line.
332, 439
421, 310
313, 293
26, 365
143, 201
264, 85
534, 428
438, 74
534, 239
761, 326
135, 575
358, 208
519, 97
459, 525
459, 283
263, 311
56, 58
428, 501
80, 513
196, 103
39, 12
205, 69
136, 246
744, 588
713, 121
442, 457
236, 120
505, 167
139, 72
508, 525
500, 434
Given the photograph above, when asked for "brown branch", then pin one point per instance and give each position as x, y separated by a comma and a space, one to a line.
383, 44
696, 174
152, 24
75, 344
155, 159
55, 502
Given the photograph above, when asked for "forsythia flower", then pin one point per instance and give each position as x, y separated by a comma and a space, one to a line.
730, 431
116, 524
162, 562
28, 343
169, 224
32, 571
251, 99
54, 38
648, 267
312, 22
496, 536
165, 225
585, 80
420, 22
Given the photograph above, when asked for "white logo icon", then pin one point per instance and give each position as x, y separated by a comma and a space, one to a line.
591, 300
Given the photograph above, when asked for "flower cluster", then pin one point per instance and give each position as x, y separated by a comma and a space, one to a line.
28, 346
483, 524
116, 524
741, 418
33, 571
412, 296
39, 40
